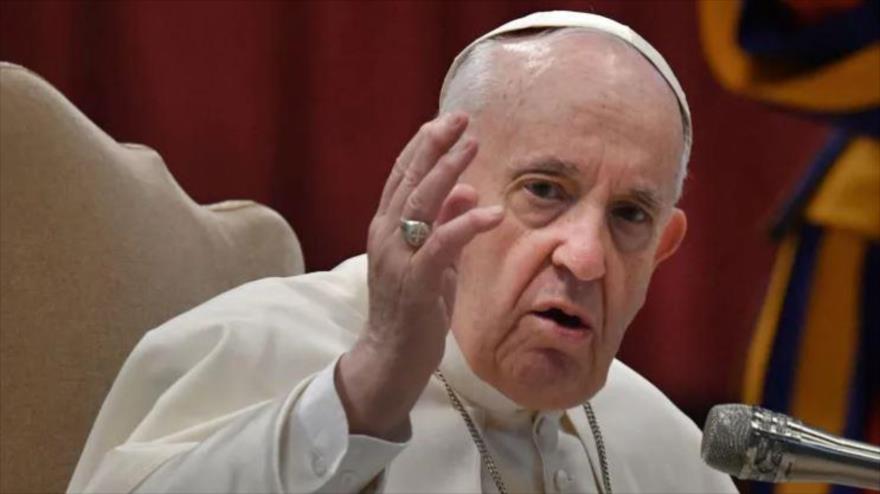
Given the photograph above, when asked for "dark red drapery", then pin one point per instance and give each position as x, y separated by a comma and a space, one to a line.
303, 106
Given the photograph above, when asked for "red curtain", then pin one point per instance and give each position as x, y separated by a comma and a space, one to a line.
304, 106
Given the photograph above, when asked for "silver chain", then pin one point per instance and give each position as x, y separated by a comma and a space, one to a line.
490, 462
600, 447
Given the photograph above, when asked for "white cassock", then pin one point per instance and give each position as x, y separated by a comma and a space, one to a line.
237, 395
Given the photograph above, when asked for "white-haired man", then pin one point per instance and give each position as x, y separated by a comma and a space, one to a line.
474, 350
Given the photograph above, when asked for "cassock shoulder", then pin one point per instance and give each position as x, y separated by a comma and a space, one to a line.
254, 342
305, 307
653, 446
632, 399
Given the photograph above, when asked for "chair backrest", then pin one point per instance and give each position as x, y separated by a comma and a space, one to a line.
98, 244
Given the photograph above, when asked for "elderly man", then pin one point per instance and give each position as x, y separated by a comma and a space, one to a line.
512, 246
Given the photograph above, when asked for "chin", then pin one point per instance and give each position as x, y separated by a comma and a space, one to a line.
546, 384
552, 402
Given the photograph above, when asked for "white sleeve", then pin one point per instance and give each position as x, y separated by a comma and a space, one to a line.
304, 434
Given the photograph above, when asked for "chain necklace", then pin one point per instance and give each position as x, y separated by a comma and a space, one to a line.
490, 462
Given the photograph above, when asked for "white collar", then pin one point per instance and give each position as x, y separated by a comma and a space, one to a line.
492, 404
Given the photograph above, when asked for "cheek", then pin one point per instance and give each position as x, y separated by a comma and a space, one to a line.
477, 283
494, 267
494, 270
626, 293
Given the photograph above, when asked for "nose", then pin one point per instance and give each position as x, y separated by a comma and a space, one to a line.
581, 248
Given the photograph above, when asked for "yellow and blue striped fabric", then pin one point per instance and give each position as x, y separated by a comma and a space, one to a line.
815, 353
816, 349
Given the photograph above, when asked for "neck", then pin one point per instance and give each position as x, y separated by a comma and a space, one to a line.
477, 393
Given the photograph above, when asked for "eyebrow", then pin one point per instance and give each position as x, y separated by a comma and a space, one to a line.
546, 164
560, 167
647, 197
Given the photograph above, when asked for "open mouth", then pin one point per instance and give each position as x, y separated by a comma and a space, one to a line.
562, 318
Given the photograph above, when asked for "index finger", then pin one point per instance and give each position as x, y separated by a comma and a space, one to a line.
437, 138
397, 171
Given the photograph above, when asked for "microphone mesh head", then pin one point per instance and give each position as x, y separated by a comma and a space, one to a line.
726, 437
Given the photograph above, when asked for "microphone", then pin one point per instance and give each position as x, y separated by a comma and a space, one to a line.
753, 443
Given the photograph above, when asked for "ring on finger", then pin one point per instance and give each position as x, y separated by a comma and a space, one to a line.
414, 232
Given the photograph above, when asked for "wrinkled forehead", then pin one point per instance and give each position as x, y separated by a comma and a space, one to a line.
582, 97
541, 23
588, 61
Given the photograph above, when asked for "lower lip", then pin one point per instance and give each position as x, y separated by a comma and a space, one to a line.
557, 330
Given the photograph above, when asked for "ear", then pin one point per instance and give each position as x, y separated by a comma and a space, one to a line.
671, 237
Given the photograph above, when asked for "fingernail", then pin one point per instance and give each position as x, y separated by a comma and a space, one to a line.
466, 146
455, 119
495, 211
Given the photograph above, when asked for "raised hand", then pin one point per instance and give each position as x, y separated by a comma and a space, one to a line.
412, 287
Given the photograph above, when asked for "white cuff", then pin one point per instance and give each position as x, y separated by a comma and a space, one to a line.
317, 451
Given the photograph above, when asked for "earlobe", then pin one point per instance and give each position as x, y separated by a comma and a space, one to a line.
672, 235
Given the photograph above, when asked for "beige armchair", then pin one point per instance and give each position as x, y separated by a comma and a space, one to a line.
98, 244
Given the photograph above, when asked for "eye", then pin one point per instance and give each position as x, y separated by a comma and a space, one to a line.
631, 213
544, 189
537, 199
632, 226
